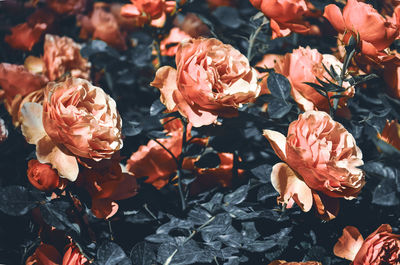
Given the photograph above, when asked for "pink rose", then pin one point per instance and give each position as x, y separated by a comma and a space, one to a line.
381, 247
212, 79
322, 161
77, 120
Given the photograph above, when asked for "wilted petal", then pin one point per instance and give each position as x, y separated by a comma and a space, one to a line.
48, 152
349, 243
290, 186
31, 122
327, 207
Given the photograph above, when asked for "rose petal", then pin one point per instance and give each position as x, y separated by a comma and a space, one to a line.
327, 207
290, 186
349, 243
278, 142
48, 152
165, 80
335, 17
31, 122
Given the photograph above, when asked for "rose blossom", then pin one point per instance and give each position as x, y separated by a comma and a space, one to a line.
42, 176
322, 161
169, 45
61, 55
285, 15
68, 7
391, 134
306, 65
375, 32
381, 247
212, 79
77, 119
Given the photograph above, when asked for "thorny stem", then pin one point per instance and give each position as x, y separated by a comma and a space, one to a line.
194, 232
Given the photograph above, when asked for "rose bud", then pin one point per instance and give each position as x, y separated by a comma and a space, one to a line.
381, 247
285, 15
322, 161
375, 32
212, 79
42, 176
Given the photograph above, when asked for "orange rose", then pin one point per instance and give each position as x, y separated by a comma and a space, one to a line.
102, 25
24, 36
154, 10
73, 256
77, 119
285, 15
306, 65
61, 55
42, 176
282, 262
169, 45
107, 183
68, 7
375, 32
391, 134
212, 79
322, 161
381, 247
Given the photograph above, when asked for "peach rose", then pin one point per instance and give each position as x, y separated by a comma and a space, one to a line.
322, 161
42, 176
169, 45
24, 36
62, 55
77, 119
212, 79
391, 134
285, 15
381, 247
306, 65
67, 7
155, 11
106, 183
102, 25
375, 32
282, 262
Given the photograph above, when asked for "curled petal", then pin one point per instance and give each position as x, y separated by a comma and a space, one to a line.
278, 142
291, 187
48, 152
31, 122
335, 17
327, 207
165, 80
349, 243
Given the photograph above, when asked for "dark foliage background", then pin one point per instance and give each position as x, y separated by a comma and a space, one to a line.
241, 225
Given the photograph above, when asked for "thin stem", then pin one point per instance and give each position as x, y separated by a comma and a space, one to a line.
166, 149
111, 231
180, 173
252, 40
156, 44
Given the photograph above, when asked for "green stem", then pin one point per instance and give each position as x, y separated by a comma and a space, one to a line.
252, 39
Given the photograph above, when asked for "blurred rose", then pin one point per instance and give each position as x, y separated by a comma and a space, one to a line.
285, 15
391, 75
192, 25
42, 176
391, 134
107, 183
73, 256
322, 161
169, 45
155, 11
102, 25
218, 3
17, 82
24, 36
82, 118
77, 119
62, 55
67, 7
212, 79
306, 65
45, 255
282, 262
3, 131
381, 247
375, 32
